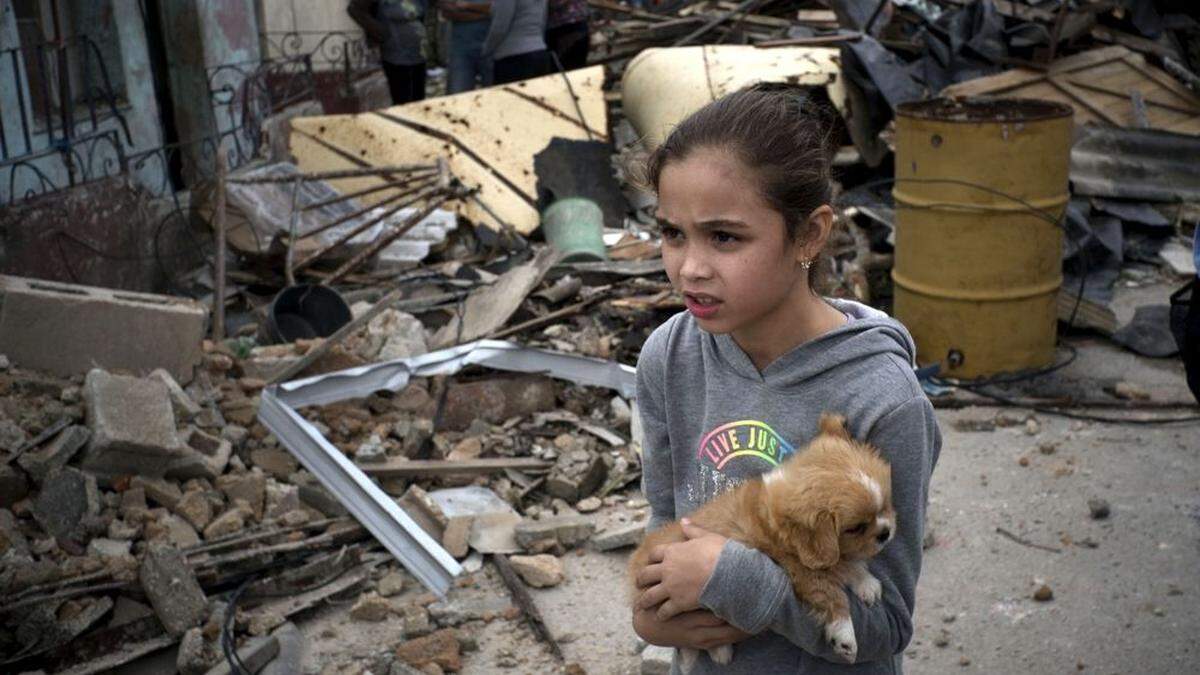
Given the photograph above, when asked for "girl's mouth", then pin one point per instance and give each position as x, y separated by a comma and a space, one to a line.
701, 306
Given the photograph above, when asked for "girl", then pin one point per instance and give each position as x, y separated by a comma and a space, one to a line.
728, 388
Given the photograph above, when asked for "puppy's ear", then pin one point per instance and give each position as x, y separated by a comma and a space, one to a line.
834, 425
819, 544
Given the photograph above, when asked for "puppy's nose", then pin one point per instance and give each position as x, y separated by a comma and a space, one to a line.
884, 535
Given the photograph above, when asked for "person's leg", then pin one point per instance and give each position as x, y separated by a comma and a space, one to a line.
1190, 349
505, 70
460, 66
576, 50
418, 82
395, 79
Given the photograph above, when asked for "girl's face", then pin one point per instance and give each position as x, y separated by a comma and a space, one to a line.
724, 247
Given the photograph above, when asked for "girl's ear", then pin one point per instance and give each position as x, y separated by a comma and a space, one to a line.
820, 224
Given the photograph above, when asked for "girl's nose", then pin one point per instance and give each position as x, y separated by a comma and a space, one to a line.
694, 267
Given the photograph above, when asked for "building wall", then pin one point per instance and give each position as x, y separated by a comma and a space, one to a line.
318, 27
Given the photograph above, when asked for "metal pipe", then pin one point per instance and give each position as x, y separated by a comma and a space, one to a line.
367, 191
384, 241
365, 210
334, 175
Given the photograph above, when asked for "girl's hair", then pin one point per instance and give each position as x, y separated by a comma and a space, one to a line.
779, 131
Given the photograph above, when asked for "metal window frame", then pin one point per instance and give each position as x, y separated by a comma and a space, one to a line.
370, 505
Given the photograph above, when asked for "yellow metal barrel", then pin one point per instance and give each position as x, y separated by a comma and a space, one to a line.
981, 186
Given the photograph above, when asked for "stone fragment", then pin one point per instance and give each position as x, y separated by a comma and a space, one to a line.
371, 450
14, 486
206, 457
250, 486
576, 474
426, 512
1043, 593
391, 584
539, 571
280, 498
1099, 508
619, 537
416, 621
163, 492
196, 655
1130, 391
657, 660
455, 612
264, 621
196, 508
12, 436
440, 647
13, 543
127, 611
497, 399
185, 408
109, 548
43, 461
67, 499
588, 505
171, 586
317, 497
371, 607
230, 522
278, 463
173, 530
466, 449
456, 536
255, 654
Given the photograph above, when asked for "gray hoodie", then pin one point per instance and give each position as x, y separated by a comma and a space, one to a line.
711, 420
518, 27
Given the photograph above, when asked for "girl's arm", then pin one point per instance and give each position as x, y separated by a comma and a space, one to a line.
502, 18
751, 592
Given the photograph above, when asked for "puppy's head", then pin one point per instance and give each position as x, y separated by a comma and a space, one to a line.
831, 501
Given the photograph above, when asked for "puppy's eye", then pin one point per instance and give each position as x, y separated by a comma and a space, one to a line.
857, 529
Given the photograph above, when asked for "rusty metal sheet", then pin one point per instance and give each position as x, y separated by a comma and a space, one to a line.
489, 136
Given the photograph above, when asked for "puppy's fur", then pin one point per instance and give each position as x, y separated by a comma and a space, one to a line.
820, 515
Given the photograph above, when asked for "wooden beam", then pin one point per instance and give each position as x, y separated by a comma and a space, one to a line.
426, 468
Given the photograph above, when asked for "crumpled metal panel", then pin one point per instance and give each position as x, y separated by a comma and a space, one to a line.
1156, 166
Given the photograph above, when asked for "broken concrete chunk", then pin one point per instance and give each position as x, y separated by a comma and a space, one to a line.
196, 655
255, 655
12, 437
54, 455
570, 531
576, 474
456, 535
12, 542
127, 611
251, 487
441, 648
196, 508
619, 537
371, 607
279, 463
14, 486
539, 571
173, 530
163, 492
322, 500
416, 621
68, 497
391, 584
185, 408
280, 499
230, 522
109, 548
171, 586
208, 457
424, 511
133, 427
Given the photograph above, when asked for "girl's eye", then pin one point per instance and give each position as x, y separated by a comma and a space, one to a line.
723, 237
671, 232
857, 529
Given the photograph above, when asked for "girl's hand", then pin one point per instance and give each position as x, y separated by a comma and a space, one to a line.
698, 629
677, 572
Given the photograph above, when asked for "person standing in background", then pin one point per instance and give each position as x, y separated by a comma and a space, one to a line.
516, 41
469, 23
567, 32
1189, 349
398, 27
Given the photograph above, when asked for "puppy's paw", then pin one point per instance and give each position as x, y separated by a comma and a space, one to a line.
722, 655
687, 659
840, 636
868, 589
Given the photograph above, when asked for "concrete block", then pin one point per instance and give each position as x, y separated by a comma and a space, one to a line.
185, 408
619, 537
67, 329
133, 428
173, 590
570, 531
208, 457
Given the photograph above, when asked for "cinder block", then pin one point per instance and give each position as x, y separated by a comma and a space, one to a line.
68, 329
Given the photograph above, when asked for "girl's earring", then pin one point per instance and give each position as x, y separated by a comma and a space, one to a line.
806, 264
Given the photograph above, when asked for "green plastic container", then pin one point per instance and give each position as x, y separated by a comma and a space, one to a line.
575, 226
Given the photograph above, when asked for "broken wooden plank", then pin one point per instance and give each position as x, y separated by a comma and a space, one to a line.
427, 468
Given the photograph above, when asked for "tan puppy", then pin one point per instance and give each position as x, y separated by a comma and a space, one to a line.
820, 515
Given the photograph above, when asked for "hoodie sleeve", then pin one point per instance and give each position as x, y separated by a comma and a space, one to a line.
658, 474
750, 591
502, 19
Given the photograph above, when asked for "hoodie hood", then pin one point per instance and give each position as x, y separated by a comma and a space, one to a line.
868, 332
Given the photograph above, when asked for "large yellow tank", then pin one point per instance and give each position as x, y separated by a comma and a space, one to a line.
981, 186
